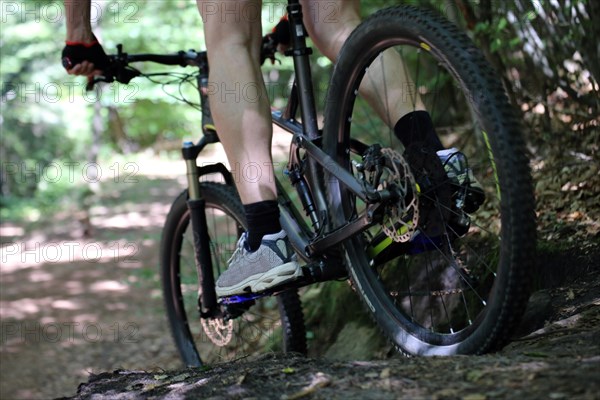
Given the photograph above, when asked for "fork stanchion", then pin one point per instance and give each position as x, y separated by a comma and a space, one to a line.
207, 297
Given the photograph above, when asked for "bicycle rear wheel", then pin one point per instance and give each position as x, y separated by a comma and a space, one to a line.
272, 324
461, 288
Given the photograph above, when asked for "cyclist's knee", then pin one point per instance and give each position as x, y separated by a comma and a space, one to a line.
329, 23
231, 11
231, 24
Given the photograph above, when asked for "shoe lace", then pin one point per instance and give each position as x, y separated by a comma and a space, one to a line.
239, 248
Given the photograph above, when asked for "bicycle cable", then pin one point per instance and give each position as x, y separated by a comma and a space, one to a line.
178, 77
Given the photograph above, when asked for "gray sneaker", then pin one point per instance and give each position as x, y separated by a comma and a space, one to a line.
253, 272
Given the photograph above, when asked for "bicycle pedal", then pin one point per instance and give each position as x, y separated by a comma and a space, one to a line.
240, 298
272, 291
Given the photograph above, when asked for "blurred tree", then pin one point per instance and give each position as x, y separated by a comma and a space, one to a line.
548, 55
546, 52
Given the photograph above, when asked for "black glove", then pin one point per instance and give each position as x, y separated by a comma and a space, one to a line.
281, 32
279, 36
75, 53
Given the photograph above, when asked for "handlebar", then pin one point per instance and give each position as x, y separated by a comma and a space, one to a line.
182, 58
120, 71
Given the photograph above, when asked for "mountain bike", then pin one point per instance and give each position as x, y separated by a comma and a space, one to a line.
438, 276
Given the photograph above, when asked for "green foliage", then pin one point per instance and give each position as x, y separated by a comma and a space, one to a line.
546, 52
46, 115
327, 308
500, 38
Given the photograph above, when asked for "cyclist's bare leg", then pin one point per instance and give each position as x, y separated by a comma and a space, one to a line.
240, 107
387, 88
238, 98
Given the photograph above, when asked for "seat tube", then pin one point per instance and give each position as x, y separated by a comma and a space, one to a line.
300, 52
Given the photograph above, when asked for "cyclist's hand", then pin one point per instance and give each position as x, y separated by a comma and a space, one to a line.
87, 59
281, 32
278, 40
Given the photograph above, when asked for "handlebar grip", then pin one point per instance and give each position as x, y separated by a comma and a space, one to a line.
68, 64
171, 59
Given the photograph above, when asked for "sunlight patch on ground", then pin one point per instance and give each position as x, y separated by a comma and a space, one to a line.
66, 304
23, 308
40, 276
108, 286
74, 287
33, 254
129, 220
10, 230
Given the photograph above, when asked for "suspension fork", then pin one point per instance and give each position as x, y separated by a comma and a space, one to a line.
207, 296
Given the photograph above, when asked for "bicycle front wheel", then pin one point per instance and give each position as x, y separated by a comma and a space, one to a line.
272, 324
460, 287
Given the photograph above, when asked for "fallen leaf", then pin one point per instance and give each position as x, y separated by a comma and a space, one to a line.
475, 396
557, 395
536, 354
180, 377
319, 380
385, 373
475, 375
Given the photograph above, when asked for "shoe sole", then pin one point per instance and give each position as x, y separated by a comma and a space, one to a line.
260, 282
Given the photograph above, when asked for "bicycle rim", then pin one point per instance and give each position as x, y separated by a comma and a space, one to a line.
460, 288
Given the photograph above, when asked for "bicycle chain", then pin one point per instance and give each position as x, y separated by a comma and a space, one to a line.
440, 293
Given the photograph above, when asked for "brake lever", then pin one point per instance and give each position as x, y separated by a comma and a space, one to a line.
268, 50
96, 79
117, 71
125, 75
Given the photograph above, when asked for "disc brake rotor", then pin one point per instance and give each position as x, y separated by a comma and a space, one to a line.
401, 218
218, 331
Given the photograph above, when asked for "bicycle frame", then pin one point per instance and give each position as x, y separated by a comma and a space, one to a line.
310, 243
340, 192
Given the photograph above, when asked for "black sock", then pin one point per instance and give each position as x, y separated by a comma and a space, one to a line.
263, 219
415, 127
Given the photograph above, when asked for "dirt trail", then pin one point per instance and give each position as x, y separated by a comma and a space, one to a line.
74, 308
559, 361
